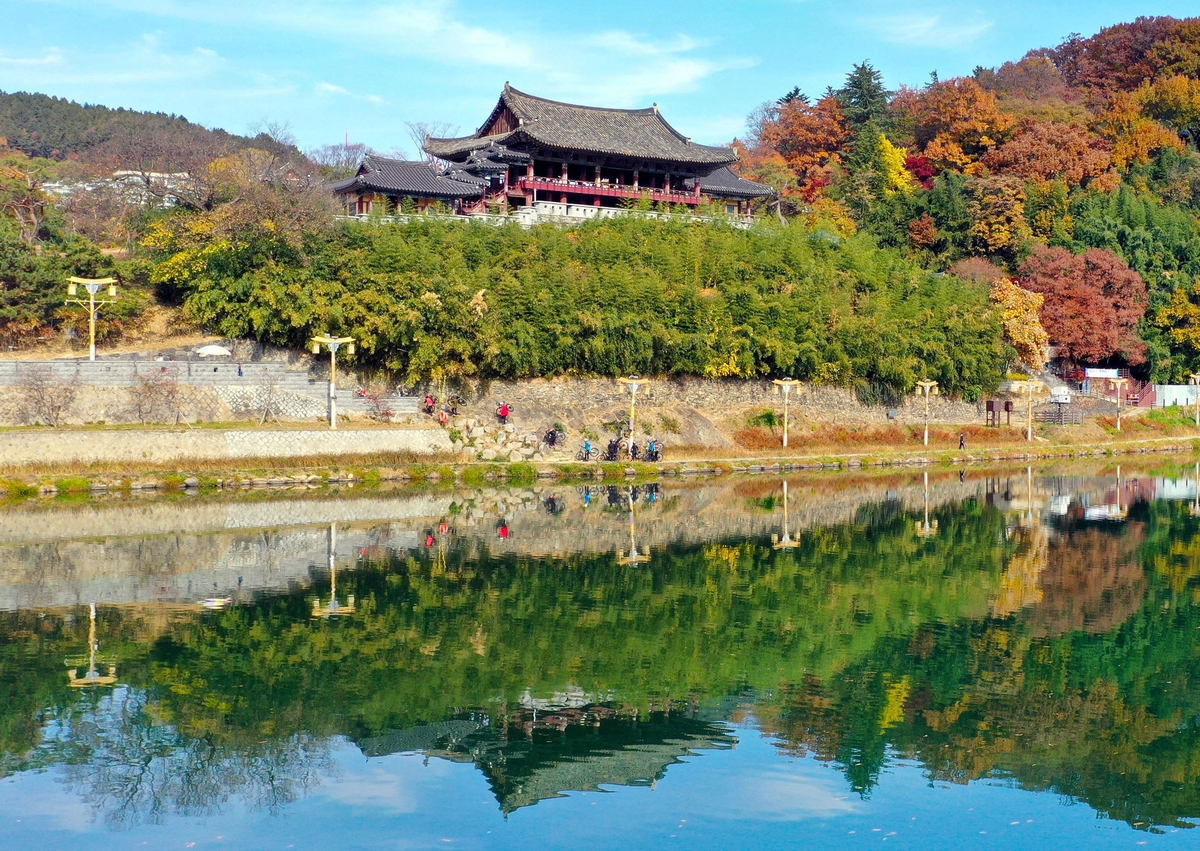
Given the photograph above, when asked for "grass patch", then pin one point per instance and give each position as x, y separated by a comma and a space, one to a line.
17, 489
522, 474
475, 477
73, 484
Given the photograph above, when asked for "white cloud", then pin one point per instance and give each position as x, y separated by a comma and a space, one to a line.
332, 89
928, 31
610, 68
776, 795
142, 61
53, 56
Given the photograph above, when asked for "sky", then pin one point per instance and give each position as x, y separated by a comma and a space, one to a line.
366, 68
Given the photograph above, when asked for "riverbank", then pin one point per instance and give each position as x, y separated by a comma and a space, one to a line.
51, 479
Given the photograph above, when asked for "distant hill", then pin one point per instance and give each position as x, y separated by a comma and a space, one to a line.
56, 128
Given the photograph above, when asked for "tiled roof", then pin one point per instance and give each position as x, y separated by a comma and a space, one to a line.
637, 133
420, 179
726, 183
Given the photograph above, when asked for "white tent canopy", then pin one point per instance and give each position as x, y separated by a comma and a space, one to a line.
213, 352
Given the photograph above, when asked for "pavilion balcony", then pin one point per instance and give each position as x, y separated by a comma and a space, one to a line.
558, 186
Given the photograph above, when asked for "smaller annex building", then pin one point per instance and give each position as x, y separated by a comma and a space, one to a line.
532, 151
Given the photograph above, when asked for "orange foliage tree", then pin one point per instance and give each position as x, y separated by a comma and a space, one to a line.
957, 122
807, 137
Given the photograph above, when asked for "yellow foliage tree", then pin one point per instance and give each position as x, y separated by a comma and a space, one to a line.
1023, 329
898, 178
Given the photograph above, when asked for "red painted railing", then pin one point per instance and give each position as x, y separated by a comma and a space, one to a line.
603, 190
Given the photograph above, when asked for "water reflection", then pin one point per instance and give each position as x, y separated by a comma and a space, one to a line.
1040, 629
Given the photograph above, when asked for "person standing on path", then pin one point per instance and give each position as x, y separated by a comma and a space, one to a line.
962, 440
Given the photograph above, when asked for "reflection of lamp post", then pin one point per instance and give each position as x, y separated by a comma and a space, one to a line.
634, 556
1120, 383
786, 542
787, 384
927, 386
926, 530
92, 677
332, 343
333, 608
1195, 379
1029, 412
92, 285
633, 382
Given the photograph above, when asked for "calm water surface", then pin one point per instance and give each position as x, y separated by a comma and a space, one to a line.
994, 662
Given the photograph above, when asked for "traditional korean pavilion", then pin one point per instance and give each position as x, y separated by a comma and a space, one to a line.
532, 151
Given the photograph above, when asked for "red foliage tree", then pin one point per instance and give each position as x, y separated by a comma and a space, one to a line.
1118, 58
1043, 151
1094, 302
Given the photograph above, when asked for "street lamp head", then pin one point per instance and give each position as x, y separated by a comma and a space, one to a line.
316, 347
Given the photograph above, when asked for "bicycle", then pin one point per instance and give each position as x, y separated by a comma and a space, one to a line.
584, 454
559, 438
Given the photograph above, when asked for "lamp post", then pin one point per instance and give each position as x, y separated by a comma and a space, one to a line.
633, 382
91, 305
786, 384
333, 344
1195, 379
927, 386
1120, 383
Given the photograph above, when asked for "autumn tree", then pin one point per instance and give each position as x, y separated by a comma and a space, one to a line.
1093, 303
1136, 138
1180, 320
957, 122
1045, 151
997, 210
1020, 309
807, 137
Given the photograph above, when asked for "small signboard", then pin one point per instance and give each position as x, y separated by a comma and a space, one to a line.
1060, 395
1093, 372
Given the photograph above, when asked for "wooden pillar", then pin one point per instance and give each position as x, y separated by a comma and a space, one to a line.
635, 179
597, 202
697, 179
529, 171
597, 175
564, 172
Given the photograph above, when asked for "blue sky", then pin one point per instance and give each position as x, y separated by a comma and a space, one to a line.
366, 67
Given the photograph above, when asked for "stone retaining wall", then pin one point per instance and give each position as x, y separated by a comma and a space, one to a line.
168, 446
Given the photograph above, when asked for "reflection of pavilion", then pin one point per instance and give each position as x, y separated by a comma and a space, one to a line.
333, 607
578, 749
92, 677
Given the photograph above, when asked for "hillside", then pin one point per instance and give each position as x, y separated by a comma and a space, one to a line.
1073, 171
54, 128
945, 231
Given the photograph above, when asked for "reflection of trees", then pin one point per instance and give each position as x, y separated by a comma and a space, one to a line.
1108, 713
865, 640
1093, 580
133, 769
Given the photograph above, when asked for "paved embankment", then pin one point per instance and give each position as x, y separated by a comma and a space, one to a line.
157, 446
